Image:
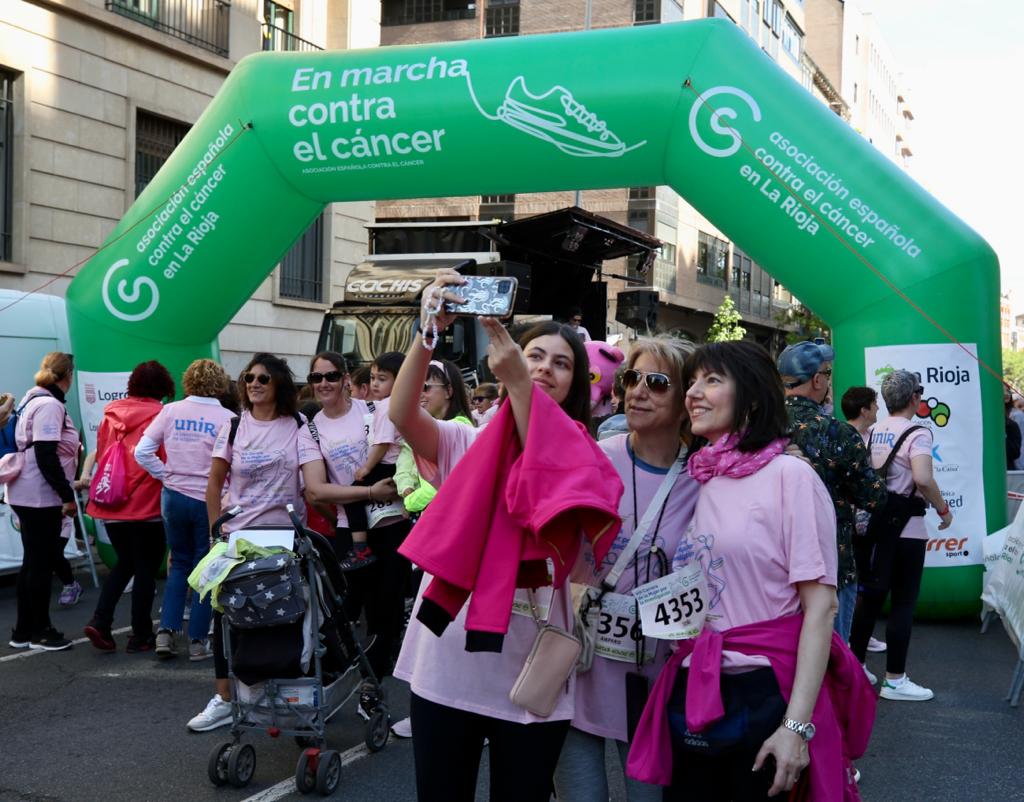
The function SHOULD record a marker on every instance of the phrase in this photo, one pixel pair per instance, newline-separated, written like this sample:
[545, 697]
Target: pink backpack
[109, 487]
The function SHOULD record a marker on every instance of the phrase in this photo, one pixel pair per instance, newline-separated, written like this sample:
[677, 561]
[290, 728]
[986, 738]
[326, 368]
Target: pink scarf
[723, 459]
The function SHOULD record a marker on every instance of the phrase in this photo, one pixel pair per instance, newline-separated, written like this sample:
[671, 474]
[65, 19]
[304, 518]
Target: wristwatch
[805, 731]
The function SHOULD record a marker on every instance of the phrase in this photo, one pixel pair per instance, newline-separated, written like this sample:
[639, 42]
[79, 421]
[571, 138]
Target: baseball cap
[800, 361]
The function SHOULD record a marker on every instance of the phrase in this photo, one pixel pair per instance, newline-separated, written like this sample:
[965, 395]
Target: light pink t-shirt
[384, 431]
[600, 692]
[188, 429]
[756, 537]
[900, 478]
[264, 475]
[343, 447]
[42, 420]
[440, 669]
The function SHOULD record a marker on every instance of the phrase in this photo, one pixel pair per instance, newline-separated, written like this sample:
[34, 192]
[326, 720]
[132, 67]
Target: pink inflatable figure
[604, 361]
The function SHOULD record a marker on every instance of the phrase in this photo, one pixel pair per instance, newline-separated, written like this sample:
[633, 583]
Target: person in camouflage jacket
[838, 454]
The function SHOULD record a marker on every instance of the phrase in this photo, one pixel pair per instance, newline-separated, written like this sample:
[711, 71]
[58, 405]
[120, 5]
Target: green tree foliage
[1013, 368]
[726, 325]
[808, 325]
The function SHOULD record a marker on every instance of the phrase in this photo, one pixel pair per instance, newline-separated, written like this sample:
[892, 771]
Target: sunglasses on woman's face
[656, 382]
[426, 387]
[332, 376]
[262, 378]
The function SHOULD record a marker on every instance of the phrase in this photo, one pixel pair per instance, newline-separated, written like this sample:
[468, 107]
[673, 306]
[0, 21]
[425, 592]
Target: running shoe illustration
[557, 117]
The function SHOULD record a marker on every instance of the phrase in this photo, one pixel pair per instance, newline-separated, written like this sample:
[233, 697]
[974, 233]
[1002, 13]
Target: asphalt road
[81, 726]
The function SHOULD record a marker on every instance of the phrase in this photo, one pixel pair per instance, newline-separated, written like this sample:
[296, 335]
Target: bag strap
[883, 472]
[609, 582]
[233, 430]
[313, 431]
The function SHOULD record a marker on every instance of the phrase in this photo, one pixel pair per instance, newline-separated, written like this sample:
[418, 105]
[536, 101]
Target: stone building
[94, 96]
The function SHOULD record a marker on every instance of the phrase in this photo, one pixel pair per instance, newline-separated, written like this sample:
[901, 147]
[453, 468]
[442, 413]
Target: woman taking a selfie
[459, 697]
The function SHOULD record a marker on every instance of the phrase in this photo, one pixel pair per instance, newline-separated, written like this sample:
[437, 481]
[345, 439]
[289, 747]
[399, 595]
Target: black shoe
[368, 701]
[143, 644]
[50, 641]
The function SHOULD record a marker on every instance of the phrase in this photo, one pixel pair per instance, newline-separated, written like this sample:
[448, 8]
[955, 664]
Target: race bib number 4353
[675, 606]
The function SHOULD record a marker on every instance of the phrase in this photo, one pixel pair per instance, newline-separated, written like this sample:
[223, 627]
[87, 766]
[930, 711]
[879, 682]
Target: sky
[962, 65]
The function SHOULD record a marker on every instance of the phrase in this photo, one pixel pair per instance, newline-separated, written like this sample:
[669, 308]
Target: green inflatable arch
[692, 105]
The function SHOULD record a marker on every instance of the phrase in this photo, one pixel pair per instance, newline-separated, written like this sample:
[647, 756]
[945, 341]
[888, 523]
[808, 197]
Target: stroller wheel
[241, 765]
[328, 773]
[217, 766]
[305, 771]
[378, 729]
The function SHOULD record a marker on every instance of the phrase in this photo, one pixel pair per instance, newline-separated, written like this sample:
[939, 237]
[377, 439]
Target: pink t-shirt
[600, 692]
[900, 478]
[188, 429]
[264, 476]
[756, 537]
[343, 447]
[440, 669]
[384, 431]
[43, 419]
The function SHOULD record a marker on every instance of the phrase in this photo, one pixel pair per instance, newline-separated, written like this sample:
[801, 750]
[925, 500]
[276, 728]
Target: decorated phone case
[491, 296]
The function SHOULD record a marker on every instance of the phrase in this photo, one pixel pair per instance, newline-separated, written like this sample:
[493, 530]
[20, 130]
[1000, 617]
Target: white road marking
[285, 787]
[33, 652]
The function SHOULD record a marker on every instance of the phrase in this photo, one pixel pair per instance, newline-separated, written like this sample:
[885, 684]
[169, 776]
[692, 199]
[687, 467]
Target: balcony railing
[714, 281]
[275, 38]
[203, 23]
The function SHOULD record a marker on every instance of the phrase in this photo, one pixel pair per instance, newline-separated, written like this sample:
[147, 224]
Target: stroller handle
[224, 518]
[295, 519]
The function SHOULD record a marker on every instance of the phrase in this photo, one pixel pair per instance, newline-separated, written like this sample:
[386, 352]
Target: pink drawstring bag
[109, 487]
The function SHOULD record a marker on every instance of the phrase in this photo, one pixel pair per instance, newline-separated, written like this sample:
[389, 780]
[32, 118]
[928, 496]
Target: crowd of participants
[714, 456]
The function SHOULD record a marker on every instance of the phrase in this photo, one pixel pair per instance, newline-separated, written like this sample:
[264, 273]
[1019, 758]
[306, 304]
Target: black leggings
[40, 538]
[378, 589]
[61, 566]
[726, 778]
[896, 569]
[447, 744]
[140, 547]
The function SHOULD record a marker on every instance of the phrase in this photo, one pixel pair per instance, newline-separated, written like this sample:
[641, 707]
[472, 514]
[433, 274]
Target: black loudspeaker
[637, 309]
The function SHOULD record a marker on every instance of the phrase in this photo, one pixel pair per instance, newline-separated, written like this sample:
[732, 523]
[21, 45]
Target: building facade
[698, 265]
[94, 96]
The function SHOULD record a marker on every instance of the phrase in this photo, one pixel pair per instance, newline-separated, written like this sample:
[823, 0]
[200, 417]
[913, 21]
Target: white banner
[951, 408]
[95, 391]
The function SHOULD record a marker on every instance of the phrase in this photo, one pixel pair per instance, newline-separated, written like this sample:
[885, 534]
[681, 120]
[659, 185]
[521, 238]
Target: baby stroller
[293, 656]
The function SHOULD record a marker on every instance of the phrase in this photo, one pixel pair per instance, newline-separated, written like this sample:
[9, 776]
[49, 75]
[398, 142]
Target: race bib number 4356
[675, 606]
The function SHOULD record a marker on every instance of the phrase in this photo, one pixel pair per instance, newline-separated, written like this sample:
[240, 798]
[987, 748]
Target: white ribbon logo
[129, 296]
[717, 115]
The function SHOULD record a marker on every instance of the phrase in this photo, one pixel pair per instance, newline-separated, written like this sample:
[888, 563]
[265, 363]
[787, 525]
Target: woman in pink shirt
[261, 452]
[42, 496]
[656, 415]
[186, 430]
[764, 532]
[460, 698]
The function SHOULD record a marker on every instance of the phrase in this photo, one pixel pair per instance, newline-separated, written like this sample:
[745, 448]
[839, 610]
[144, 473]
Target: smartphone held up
[485, 296]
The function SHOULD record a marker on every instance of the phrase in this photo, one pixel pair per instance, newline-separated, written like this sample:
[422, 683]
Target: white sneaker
[217, 714]
[867, 673]
[903, 690]
[875, 645]
[403, 728]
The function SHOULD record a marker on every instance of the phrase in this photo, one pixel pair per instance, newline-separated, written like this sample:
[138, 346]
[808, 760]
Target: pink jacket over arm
[504, 510]
[843, 715]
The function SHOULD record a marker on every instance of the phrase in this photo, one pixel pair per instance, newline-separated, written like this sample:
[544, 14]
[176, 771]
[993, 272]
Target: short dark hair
[285, 392]
[577, 402]
[487, 390]
[389, 362]
[334, 358]
[760, 407]
[572, 311]
[448, 373]
[361, 375]
[855, 399]
[151, 380]
[229, 399]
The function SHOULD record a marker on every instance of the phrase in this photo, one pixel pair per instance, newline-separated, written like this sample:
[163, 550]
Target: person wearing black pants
[40, 537]
[522, 756]
[379, 590]
[140, 547]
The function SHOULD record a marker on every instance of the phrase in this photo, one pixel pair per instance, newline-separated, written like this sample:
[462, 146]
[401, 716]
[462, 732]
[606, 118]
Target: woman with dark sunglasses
[260, 450]
[330, 459]
[656, 416]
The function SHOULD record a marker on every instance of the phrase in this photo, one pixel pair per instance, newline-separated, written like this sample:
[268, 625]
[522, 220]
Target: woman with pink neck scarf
[763, 532]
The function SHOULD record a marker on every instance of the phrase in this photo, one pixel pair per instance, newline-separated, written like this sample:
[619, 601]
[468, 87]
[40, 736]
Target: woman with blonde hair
[42, 496]
[177, 449]
[650, 461]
